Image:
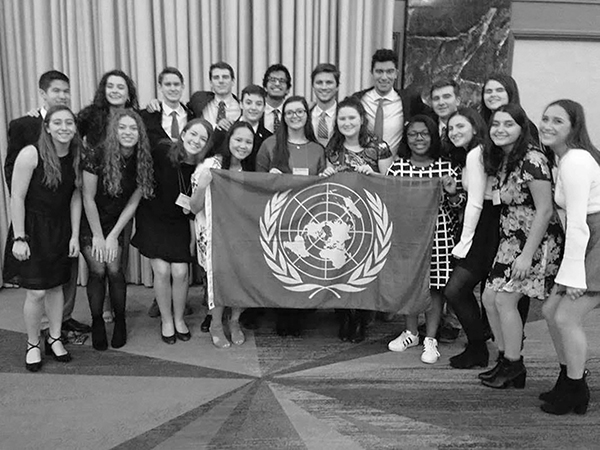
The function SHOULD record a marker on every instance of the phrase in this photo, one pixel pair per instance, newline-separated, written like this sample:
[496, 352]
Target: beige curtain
[85, 38]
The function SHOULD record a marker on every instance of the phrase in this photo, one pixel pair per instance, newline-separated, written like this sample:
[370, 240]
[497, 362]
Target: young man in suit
[218, 106]
[277, 82]
[54, 89]
[445, 99]
[166, 124]
[387, 108]
[325, 79]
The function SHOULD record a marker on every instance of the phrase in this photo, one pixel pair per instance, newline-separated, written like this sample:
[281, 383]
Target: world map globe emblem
[326, 231]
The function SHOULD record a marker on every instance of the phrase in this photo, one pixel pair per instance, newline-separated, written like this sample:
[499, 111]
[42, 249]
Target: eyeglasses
[297, 113]
[276, 80]
[414, 134]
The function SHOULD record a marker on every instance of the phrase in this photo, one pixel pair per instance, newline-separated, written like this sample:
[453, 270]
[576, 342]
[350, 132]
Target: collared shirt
[43, 112]
[232, 110]
[442, 128]
[167, 119]
[393, 116]
[329, 120]
[268, 116]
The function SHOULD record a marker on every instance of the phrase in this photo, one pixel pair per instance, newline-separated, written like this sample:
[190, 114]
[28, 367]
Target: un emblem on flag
[326, 237]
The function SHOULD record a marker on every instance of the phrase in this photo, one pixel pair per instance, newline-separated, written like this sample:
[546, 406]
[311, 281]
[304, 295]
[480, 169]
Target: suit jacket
[153, 123]
[412, 103]
[199, 101]
[22, 132]
[217, 141]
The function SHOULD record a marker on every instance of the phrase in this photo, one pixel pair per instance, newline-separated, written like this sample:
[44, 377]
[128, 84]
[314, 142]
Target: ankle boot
[572, 395]
[119, 337]
[99, 341]
[476, 354]
[343, 317]
[489, 374]
[550, 395]
[511, 373]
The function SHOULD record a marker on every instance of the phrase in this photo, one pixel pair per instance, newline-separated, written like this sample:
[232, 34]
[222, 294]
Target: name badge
[183, 201]
[300, 171]
[496, 197]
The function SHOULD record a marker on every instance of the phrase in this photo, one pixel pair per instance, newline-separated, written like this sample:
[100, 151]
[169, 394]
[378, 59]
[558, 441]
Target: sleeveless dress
[162, 229]
[48, 225]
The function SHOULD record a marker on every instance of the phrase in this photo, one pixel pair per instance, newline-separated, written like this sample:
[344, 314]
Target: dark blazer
[217, 142]
[199, 101]
[22, 132]
[153, 123]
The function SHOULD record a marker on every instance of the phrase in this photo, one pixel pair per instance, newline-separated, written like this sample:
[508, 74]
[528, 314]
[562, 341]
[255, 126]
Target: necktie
[322, 132]
[276, 121]
[378, 129]
[221, 111]
[174, 126]
[443, 133]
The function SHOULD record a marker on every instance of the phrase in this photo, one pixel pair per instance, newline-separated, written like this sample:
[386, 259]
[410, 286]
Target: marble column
[465, 40]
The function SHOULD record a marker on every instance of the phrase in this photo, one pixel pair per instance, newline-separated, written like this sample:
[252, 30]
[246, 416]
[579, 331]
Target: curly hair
[335, 146]
[113, 156]
[177, 153]
[281, 157]
[49, 157]
[493, 156]
[247, 166]
[434, 151]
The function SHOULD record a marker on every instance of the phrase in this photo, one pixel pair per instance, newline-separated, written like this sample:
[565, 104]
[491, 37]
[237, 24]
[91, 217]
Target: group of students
[78, 186]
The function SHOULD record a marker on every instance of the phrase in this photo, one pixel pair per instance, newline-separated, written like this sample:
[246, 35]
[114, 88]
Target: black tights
[459, 294]
[96, 286]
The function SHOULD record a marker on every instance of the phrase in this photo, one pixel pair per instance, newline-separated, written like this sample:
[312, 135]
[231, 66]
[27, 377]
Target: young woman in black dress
[164, 223]
[116, 175]
[45, 213]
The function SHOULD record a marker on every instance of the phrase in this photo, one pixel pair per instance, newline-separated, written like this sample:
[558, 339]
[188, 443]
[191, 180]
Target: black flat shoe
[169, 339]
[33, 367]
[205, 325]
[183, 336]
[74, 325]
[50, 351]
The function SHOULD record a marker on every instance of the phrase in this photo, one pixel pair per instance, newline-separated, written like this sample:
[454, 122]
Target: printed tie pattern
[174, 126]
[322, 132]
[221, 112]
[378, 130]
[276, 121]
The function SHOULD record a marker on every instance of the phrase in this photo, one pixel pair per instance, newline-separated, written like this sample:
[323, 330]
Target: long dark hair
[434, 151]
[247, 165]
[281, 156]
[112, 156]
[579, 136]
[177, 153]
[512, 90]
[49, 157]
[480, 134]
[335, 146]
[494, 155]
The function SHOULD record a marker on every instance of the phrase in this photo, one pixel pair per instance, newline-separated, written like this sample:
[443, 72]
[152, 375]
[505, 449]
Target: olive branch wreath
[288, 274]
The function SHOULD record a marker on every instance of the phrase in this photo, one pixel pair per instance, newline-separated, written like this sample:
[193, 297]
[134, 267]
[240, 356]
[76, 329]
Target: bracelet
[23, 238]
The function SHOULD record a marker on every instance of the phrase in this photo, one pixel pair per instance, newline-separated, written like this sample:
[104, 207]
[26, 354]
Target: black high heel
[33, 367]
[489, 374]
[572, 395]
[510, 373]
[50, 351]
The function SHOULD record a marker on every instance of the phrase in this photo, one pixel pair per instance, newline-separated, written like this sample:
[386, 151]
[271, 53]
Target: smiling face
[61, 127]
[241, 142]
[128, 133]
[277, 85]
[295, 115]
[384, 76]
[221, 81]
[253, 107]
[460, 131]
[58, 93]
[325, 86]
[504, 130]
[349, 122]
[494, 95]
[419, 139]
[117, 92]
[194, 139]
[171, 88]
[444, 101]
[555, 128]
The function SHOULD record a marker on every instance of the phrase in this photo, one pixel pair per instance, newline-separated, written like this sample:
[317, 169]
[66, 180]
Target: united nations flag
[347, 241]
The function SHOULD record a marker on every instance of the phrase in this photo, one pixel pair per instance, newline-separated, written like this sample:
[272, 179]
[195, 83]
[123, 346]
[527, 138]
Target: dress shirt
[393, 116]
[167, 119]
[232, 110]
[329, 120]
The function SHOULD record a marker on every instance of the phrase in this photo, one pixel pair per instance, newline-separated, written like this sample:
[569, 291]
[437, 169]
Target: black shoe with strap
[34, 366]
[65, 358]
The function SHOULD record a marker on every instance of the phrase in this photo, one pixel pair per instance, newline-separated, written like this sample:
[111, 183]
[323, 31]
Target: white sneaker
[430, 353]
[404, 341]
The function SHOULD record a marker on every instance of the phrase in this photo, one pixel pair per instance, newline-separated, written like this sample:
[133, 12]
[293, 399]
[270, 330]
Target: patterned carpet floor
[313, 392]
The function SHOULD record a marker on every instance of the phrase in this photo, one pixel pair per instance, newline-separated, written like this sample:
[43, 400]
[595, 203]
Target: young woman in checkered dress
[423, 160]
